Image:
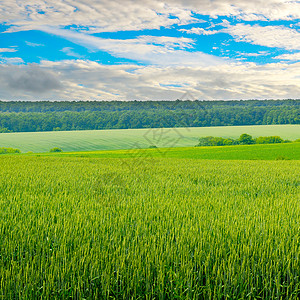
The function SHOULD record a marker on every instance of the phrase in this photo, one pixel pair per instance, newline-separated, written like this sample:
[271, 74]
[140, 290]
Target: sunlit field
[76, 227]
[92, 140]
[237, 152]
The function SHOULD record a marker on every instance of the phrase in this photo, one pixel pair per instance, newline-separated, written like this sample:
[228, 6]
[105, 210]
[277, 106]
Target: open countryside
[91, 140]
[150, 150]
[187, 222]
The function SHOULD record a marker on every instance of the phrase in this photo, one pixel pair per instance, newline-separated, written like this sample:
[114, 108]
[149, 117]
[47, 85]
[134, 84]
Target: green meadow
[91, 140]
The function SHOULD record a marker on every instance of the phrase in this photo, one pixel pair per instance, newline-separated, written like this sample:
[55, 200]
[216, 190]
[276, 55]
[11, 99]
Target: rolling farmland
[238, 152]
[150, 150]
[83, 227]
[167, 223]
[134, 138]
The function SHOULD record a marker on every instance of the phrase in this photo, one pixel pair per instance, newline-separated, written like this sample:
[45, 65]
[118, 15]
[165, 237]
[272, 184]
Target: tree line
[4, 150]
[244, 139]
[50, 116]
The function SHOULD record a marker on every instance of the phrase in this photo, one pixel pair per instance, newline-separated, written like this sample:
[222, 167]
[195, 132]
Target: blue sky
[126, 50]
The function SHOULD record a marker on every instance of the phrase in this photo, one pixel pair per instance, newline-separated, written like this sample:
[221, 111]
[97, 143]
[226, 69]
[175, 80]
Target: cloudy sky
[149, 50]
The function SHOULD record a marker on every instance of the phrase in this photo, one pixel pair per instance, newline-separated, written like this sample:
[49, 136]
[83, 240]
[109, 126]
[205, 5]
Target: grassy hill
[91, 140]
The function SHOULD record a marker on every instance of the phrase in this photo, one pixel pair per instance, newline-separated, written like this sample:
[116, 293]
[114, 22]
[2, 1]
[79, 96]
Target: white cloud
[249, 54]
[98, 16]
[290, 56]
[8, 50]
[69, 51]
[87, 80]
[33, 44]
[175, 68]
[11, 60]
[117, 15]
[199, 31]
[245, 9]
[148, 49]
[269, 36]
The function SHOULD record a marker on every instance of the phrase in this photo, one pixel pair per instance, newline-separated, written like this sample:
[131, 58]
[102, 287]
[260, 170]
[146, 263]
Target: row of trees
[227, 115]
[80, 106]
[244, 139]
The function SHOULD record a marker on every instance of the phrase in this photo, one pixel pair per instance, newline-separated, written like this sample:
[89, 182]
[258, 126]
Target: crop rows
[166, 229]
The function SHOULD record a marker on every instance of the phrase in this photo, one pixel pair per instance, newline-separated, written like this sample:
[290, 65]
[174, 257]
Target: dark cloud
[33, 79]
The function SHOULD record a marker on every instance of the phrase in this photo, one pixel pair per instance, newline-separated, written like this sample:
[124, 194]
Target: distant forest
[21, 116]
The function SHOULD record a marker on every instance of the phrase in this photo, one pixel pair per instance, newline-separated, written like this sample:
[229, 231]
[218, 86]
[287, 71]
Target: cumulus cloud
[88, 80]
[245, 9]
[199, 31]
[289, 56]
[174, 64]
[93, 16]
[269, 36]
[29, 78]
[117, 15]
[11, 60]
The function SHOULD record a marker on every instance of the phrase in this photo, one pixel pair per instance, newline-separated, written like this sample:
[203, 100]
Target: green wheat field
[86, 226]
[237, 152]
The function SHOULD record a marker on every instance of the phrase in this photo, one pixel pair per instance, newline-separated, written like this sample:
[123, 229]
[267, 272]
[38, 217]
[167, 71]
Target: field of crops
[167, 229]
[237, 152]
[91, 140]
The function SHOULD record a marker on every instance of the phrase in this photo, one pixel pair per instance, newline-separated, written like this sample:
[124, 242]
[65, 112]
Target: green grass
[90, 228]
[238, 152]
[135, 138]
